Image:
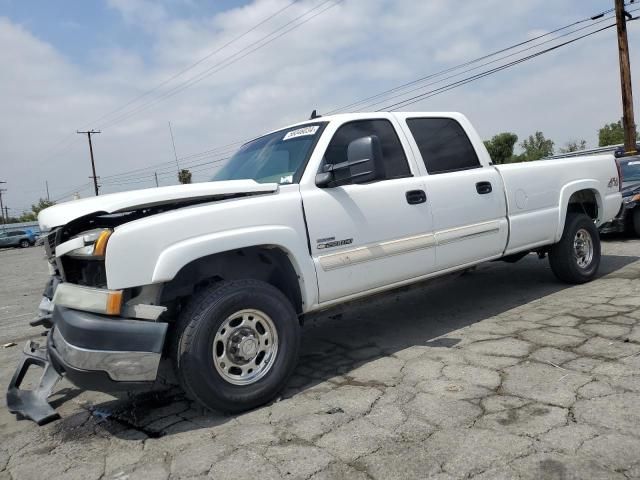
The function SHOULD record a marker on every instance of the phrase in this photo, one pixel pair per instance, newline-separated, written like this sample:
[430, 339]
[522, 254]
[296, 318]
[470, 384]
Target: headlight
[94, 244]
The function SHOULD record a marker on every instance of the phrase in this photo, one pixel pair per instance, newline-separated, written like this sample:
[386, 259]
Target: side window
[393, 157]
[443, 144]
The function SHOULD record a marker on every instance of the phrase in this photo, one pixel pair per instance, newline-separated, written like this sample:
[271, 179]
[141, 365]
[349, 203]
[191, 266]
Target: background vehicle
[629, 217]
[217, 277]
[16, 238]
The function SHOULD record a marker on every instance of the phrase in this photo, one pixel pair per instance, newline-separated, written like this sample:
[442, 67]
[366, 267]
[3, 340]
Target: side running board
[33, 404]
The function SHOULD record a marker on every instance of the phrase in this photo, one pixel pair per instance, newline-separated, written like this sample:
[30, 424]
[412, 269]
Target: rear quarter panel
[538, 194]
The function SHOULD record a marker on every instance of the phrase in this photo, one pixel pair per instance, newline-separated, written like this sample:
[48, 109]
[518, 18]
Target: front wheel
[237, 345]
[24, 243]
[576, 257]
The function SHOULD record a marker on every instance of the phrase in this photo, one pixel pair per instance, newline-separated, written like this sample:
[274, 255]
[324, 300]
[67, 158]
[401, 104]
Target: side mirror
[364, 164]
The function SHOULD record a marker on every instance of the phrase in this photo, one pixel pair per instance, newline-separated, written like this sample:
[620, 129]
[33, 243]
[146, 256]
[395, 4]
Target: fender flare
[565, 194]
[176, 256]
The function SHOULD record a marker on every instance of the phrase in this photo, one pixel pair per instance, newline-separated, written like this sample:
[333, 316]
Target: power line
[230, 60]
[225, 63]
[470, 62]
[437, 91]
[406, 92]
[69, 140]
[129, 174]
[195, 64]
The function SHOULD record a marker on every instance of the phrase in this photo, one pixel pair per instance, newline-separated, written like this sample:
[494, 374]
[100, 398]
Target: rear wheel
[24, 243]
[576, 257]
[236, 345]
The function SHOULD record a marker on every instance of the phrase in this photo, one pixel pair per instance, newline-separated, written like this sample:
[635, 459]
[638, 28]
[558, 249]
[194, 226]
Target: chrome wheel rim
[583, 248]
[245, 347]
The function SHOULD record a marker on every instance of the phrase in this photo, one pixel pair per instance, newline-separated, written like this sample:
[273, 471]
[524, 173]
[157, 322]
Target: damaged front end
[99, 339]
[33, 404]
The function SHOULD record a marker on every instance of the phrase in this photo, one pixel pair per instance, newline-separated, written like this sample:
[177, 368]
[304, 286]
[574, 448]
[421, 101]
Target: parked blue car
[17, 238]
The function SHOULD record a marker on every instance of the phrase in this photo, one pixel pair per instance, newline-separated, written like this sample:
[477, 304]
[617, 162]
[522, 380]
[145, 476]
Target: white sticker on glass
[634, 163]
[301, 132]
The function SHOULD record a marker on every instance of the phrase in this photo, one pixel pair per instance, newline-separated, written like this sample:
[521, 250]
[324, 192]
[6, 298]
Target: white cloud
[352, 51]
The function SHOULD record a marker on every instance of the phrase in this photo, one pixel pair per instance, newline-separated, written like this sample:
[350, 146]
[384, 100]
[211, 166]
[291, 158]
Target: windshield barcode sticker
[634, 163]
[301, 132]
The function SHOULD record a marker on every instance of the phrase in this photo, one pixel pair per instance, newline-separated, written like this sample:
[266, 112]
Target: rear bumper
[102, 353]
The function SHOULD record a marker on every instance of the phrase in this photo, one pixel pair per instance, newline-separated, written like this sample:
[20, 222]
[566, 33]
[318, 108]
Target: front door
[366, 236]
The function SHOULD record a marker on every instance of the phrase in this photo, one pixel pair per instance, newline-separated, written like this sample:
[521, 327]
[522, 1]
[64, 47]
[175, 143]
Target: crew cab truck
[217, 277]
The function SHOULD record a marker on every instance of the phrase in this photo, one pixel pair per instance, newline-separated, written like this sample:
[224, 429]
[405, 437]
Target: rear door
[466, 198]
[365, 236]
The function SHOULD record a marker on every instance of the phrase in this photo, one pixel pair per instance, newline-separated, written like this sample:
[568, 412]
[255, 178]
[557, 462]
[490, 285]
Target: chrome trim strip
[399, 246]
[121, 366]
[376, 251]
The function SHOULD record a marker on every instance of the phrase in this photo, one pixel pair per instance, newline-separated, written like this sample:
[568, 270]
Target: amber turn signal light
[114, 302]
[100, 246]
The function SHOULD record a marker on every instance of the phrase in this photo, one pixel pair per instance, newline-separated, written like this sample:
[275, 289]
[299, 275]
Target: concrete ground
[500, 373]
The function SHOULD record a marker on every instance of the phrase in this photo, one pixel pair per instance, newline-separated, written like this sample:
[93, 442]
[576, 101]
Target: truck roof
[365, 115]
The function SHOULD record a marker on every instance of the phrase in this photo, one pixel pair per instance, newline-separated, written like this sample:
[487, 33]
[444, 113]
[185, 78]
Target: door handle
[416, 196]
[483, 188]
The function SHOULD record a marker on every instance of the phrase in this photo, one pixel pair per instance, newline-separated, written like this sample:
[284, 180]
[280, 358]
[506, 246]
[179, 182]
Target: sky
[115, 65]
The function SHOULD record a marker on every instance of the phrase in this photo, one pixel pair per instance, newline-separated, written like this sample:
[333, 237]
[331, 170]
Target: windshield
[278, 157]
[630, 171]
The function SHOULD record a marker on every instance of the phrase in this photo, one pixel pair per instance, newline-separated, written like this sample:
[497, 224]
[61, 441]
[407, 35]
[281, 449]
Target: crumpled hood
[125, 201]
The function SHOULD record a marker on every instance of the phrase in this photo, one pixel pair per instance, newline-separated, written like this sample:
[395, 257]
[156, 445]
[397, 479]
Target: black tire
[636, 221]
[563, 258]
[194, 344]
[24, 244]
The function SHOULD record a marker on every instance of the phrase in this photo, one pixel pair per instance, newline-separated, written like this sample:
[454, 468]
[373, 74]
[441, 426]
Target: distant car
[629, 217]
[17, 238]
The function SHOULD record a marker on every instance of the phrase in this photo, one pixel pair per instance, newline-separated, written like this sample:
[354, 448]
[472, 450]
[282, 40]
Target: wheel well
[267, 263]
[584, 201]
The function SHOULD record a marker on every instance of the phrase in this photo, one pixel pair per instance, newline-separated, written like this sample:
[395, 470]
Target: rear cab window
[443, 144]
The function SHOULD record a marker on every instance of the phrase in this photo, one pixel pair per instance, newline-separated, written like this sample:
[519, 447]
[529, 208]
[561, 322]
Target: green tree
[28, 217]
[535, 147]
[574, 146]
[612, 134]
[184, 176]
[41, 205]
[500, 147]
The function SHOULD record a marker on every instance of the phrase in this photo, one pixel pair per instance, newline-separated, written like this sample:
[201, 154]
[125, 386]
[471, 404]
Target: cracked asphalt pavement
[498, 373]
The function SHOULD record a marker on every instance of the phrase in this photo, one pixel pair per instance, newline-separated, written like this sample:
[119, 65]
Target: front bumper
[94, 352]
[103, 353]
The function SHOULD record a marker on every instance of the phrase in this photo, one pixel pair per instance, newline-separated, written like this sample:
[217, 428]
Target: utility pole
[174, 147]
[625, 79]
[46, 182]
[1, 207]
[93, 164]
[155, 174]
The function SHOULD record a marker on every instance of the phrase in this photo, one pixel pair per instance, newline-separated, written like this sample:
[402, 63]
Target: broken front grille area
[88, 273]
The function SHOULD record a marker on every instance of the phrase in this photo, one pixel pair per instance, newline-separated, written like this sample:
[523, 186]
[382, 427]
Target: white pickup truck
[217, 277]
